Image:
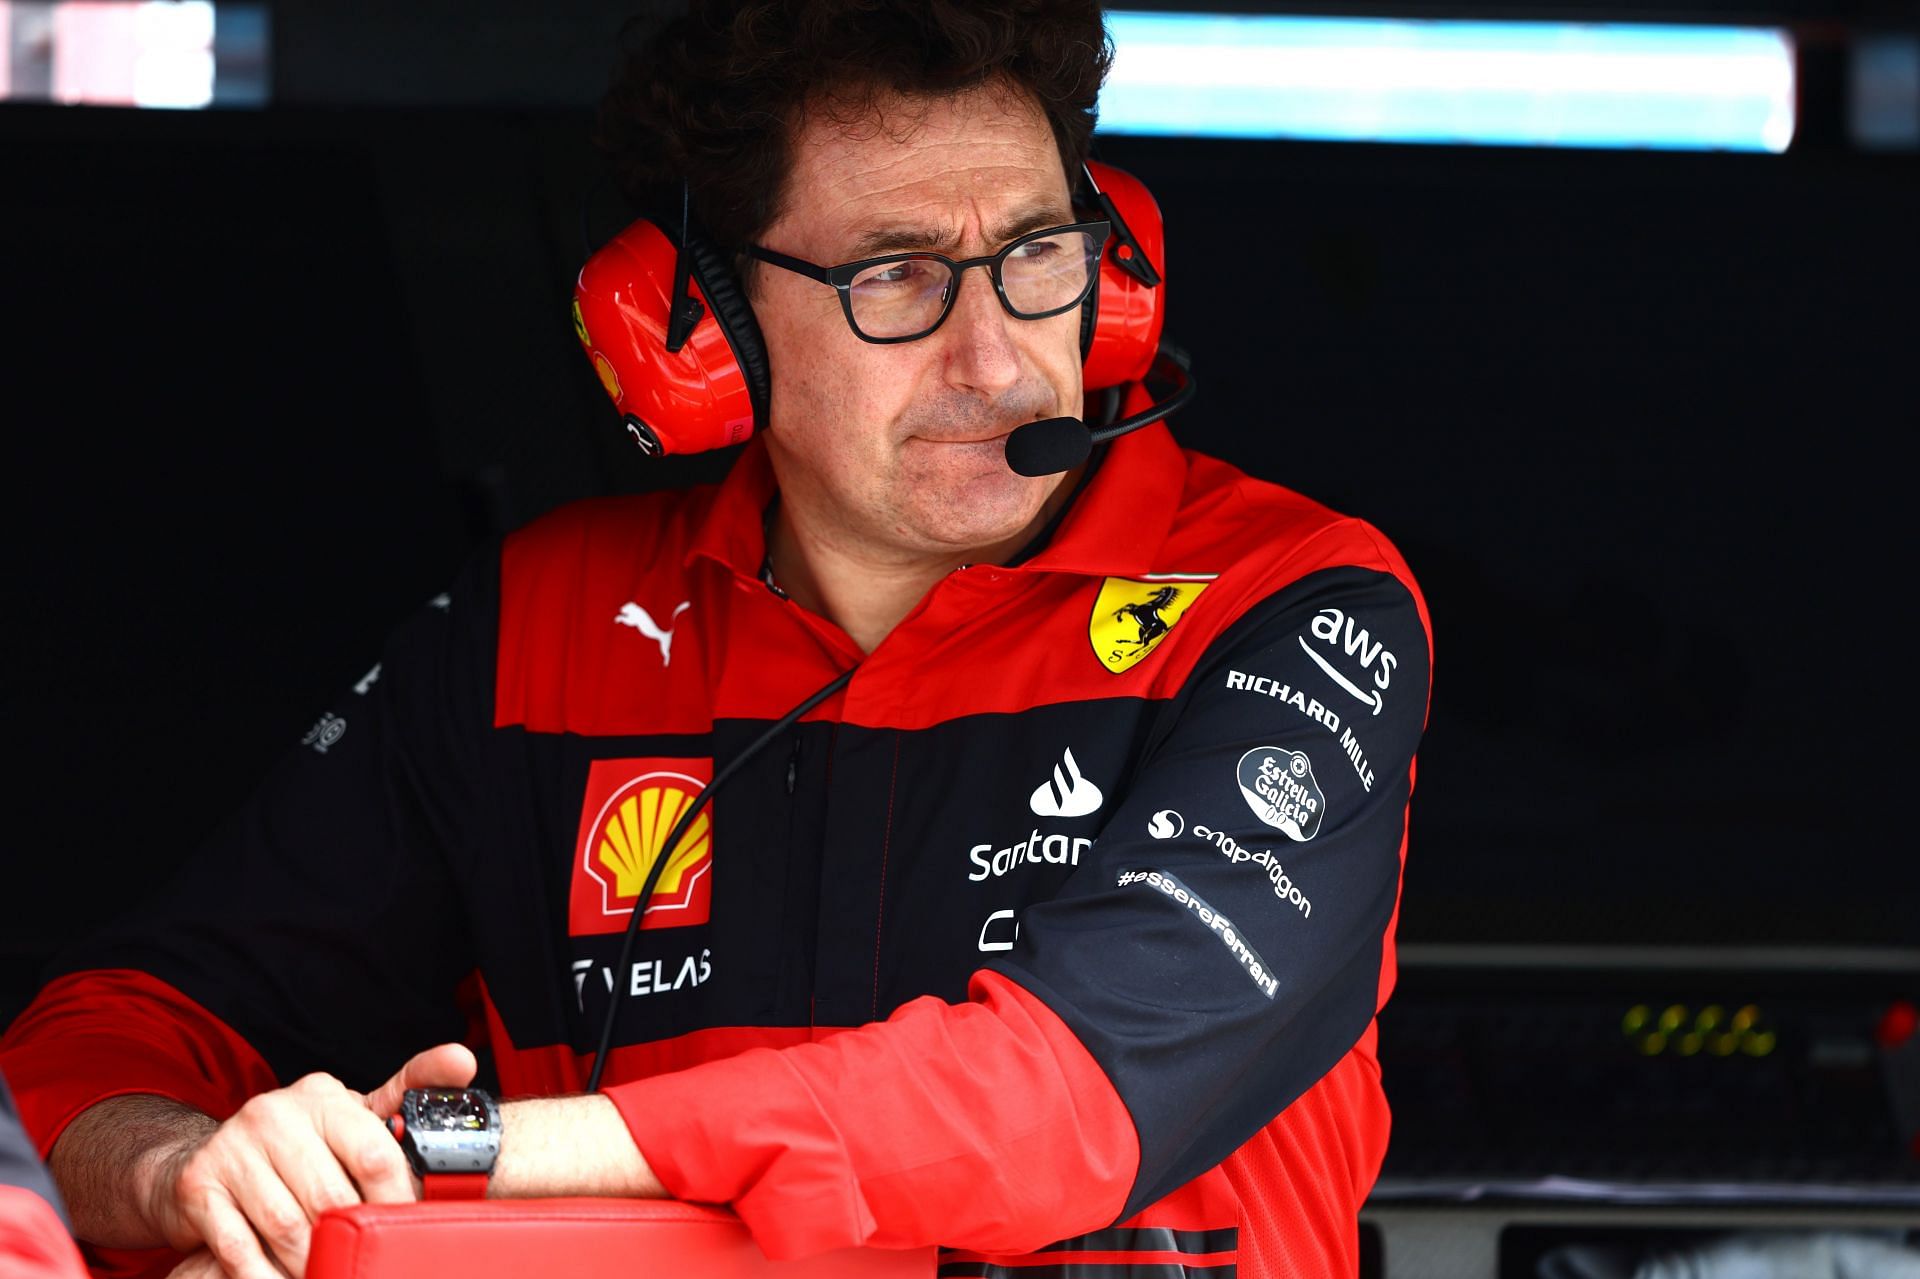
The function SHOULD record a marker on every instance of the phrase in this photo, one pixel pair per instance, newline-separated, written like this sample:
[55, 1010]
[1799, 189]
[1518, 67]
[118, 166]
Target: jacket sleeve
[316, 930]
[34, 1243]
[1219, 951]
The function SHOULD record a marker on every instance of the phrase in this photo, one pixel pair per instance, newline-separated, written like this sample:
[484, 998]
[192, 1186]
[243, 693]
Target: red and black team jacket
[1056, 939]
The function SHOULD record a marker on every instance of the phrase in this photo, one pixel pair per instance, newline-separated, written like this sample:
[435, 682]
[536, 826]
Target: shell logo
[636, 835]
[629, 810]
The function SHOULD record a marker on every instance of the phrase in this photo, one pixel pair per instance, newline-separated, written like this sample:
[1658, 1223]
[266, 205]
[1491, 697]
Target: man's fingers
[305, 1160]
[442, 1066]
[367, 1151]
[232, 1241]
[278, 1218]
[312, 1172]
[200, 1264]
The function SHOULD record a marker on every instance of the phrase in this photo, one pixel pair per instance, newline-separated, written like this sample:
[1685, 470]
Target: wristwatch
[451, 1137]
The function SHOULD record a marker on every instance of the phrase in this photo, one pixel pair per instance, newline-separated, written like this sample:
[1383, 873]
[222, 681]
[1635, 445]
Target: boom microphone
[1049, 446]
[1055, 444]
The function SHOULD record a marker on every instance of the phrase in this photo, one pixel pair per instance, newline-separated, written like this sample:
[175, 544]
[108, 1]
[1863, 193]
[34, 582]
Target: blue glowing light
[1444, 81]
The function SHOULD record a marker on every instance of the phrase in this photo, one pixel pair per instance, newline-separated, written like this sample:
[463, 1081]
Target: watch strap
[454, 1185]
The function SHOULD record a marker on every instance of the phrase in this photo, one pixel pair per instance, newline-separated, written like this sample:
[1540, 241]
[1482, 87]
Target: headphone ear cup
[712, 391]
[1127, 318]
[1090, 312]
[737, 322]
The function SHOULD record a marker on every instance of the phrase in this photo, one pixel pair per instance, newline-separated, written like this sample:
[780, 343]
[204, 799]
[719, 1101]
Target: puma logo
[640, 620]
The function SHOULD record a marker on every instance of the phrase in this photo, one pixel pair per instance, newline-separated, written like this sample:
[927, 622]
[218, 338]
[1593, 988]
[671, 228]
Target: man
[1063, 924]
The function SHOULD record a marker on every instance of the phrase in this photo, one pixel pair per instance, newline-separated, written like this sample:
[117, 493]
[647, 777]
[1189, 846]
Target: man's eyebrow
[905, 239]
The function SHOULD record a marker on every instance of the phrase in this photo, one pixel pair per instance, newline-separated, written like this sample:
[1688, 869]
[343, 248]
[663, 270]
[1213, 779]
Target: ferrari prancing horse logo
[1130, 618]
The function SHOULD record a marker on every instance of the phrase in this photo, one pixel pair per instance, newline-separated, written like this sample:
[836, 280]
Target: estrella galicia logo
[1166, 824]
[1278, 786]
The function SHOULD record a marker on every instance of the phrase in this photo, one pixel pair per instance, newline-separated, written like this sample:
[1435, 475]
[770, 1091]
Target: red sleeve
[109, 1032]
[985, 1125]
[33, 1243]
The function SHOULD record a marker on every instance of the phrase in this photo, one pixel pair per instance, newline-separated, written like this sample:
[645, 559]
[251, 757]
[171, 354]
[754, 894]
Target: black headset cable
[666, 854]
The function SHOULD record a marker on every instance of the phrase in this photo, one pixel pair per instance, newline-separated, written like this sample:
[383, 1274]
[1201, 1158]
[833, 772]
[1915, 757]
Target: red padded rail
[574, 1238]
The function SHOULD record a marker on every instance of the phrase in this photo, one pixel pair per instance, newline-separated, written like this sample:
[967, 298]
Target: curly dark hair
[715, 96]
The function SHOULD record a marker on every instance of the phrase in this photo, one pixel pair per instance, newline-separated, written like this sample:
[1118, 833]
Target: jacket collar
[1115, 526]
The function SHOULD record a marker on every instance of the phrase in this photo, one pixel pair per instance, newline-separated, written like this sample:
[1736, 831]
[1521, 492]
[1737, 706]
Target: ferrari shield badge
[1130, 618]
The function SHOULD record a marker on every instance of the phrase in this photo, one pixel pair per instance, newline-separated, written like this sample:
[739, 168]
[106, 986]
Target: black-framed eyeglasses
[903, 296]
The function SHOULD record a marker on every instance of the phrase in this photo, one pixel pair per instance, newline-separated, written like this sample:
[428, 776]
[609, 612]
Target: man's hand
[199, 1265]
[251, 1189]
[254, 1187]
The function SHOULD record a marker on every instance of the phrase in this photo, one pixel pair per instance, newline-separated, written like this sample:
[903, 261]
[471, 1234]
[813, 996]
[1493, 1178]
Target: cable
[666, 854]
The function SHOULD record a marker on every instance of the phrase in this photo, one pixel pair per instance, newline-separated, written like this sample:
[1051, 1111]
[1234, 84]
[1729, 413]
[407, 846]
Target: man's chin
[978, 507]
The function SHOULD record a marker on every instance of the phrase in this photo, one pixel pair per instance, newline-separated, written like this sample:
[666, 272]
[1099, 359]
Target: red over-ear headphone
[674, 341]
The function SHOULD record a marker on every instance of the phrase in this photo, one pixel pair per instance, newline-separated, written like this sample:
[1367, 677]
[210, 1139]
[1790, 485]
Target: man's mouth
[998, 436]
[968, 439]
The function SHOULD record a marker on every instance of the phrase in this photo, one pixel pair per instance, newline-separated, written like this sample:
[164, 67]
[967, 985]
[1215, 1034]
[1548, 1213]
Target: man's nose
[982, 355]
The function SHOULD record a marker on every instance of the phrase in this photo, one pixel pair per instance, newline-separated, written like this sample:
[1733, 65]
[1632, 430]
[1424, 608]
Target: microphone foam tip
[1049, 446]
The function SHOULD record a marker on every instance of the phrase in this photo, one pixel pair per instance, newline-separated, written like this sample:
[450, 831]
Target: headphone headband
[674, 341]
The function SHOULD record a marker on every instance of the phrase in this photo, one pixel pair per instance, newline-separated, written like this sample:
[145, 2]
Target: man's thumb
[442, 1066]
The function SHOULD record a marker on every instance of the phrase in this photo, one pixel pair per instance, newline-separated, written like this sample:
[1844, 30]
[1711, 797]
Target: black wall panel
[268, 377]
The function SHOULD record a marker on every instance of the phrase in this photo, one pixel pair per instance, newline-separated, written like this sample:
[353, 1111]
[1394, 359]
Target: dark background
[1637, 420]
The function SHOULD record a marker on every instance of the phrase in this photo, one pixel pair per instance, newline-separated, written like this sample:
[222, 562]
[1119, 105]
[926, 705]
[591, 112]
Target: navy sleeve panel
[321, 922]
[19, 1162]
[1221, 950]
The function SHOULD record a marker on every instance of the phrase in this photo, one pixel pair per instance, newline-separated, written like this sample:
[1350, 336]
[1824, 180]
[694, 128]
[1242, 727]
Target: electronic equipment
[1645, 1085]
[673, 339]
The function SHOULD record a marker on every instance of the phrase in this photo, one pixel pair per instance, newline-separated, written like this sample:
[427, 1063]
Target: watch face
[450, 1130]
[449, 1110]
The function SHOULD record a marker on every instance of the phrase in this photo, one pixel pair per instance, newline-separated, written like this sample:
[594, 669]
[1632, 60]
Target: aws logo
[1131, 617]
[630, 808]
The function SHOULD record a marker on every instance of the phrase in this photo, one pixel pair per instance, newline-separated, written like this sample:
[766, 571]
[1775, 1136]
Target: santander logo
[1067, 793]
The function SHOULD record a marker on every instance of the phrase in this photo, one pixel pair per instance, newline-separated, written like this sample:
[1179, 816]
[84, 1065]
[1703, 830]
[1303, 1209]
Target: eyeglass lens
[908, 296]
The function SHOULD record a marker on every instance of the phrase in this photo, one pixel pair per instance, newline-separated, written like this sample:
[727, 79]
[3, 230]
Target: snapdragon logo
[1166, 824]
[1169, 885]
[1283, 886]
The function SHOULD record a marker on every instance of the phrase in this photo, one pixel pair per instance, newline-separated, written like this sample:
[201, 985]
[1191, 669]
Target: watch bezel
[432, 1151]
